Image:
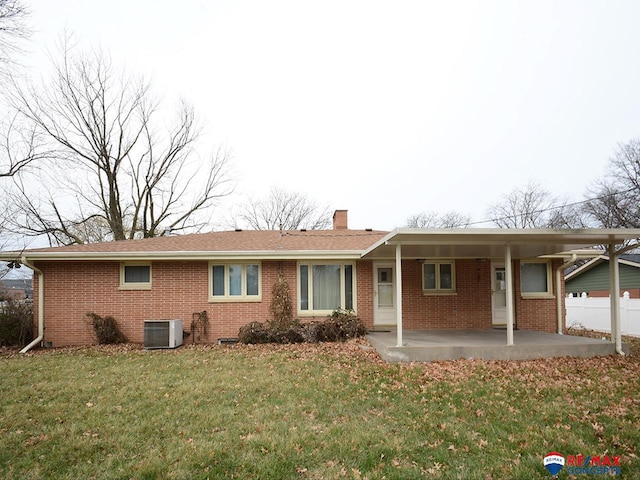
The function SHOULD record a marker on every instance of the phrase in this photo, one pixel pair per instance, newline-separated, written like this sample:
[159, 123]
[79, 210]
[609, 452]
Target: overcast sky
[384, 108]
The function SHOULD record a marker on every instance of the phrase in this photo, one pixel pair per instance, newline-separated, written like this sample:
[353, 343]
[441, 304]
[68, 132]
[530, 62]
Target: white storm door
[499, 294]
[384, 294]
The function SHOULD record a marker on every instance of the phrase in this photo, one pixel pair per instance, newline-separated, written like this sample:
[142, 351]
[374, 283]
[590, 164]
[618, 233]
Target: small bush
[256, 332]
[16, 323]
[343, 325]
[292, 334]
[340, 326]
[106, 329]
[312, 332]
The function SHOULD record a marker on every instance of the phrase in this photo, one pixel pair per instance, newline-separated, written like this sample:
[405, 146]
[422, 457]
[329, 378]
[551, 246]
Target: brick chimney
[340, 220]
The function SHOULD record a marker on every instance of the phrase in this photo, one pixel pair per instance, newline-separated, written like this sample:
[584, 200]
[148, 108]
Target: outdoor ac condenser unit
[162, 333]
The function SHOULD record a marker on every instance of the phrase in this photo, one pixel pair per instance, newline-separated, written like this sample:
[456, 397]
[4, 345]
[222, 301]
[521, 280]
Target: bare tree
[615, 200]
[283, 210]
[531, 206]
[4, 269]
[17, 142]
[566, 215]
[20, 145]
[432, 219]
[111, 173]
[18, 149]
[13, 31]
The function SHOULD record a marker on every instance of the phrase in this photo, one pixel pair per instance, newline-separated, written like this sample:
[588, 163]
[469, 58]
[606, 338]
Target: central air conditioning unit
[162, 333]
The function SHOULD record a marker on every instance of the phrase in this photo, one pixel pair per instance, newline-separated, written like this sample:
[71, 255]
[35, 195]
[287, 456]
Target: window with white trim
[438, 277]
[135, 276]
[535, 278]
[234, 282]
[324, 287]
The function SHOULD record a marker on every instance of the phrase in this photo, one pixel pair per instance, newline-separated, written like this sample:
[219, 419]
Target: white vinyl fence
[594, 313]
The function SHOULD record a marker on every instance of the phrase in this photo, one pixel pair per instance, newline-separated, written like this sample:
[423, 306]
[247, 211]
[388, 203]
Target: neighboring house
[592, 278]
[450, 279]
[16, 288]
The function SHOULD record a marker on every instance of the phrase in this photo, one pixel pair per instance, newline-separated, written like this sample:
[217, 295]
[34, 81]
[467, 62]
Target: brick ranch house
[451, 279]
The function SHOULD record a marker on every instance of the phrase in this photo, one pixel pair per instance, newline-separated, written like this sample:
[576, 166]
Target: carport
[507, 245]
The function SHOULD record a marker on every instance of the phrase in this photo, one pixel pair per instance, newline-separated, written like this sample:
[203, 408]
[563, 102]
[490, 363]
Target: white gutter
[197, 255]
[559, 297]
[40, 336]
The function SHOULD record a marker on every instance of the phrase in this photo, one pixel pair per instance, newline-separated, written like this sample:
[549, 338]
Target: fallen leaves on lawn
[580, 397]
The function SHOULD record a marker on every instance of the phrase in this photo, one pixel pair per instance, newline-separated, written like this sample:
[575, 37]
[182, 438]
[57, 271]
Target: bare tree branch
[283, 210]
[129, 175]
[21, 146]
[436, 220]
[13, 31]
[615, 201]
[531, 206]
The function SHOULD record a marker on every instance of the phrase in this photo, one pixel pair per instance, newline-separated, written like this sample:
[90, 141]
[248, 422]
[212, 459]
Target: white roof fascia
[629, 263]
[230, 255]
[587, 266]
[384, 240]
[501, 236]
[582, 254]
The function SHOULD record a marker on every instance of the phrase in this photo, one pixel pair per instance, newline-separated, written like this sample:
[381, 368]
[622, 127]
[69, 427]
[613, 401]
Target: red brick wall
[71, 289]
[537, 313]
[470, 307]
[364, 276]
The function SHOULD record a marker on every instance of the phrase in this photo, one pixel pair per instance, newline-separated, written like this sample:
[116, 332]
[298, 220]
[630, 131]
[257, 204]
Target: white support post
[508, 268]
[614, 297]
[398, 280]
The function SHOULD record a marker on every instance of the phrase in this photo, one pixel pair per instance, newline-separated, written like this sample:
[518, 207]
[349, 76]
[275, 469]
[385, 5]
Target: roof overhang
[491, 243]
[183, 255]
[416, 243]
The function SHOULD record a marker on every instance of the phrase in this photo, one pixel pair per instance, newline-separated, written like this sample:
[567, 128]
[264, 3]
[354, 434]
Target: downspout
[40, 336]
[559, 297]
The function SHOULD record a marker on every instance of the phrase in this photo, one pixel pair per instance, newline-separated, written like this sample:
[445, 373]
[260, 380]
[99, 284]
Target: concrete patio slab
[440, 345]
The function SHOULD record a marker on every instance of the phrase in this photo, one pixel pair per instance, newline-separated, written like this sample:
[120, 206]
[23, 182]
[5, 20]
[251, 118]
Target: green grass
[310, 412]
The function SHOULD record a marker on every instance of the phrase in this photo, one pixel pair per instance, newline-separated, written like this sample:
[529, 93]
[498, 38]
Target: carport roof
[490, 243]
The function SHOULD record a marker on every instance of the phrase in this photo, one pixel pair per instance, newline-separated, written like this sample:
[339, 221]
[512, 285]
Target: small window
[535, 279]
[135, 276]
[438, 277]
[239, 282]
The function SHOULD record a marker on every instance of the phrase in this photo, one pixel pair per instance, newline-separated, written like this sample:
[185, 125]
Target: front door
[499, 294]
[384, 294]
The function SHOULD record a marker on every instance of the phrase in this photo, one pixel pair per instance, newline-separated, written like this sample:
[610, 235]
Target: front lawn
[309, 412]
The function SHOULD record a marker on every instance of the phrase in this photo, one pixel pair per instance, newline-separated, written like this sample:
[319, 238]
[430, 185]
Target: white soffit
[490, 243]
